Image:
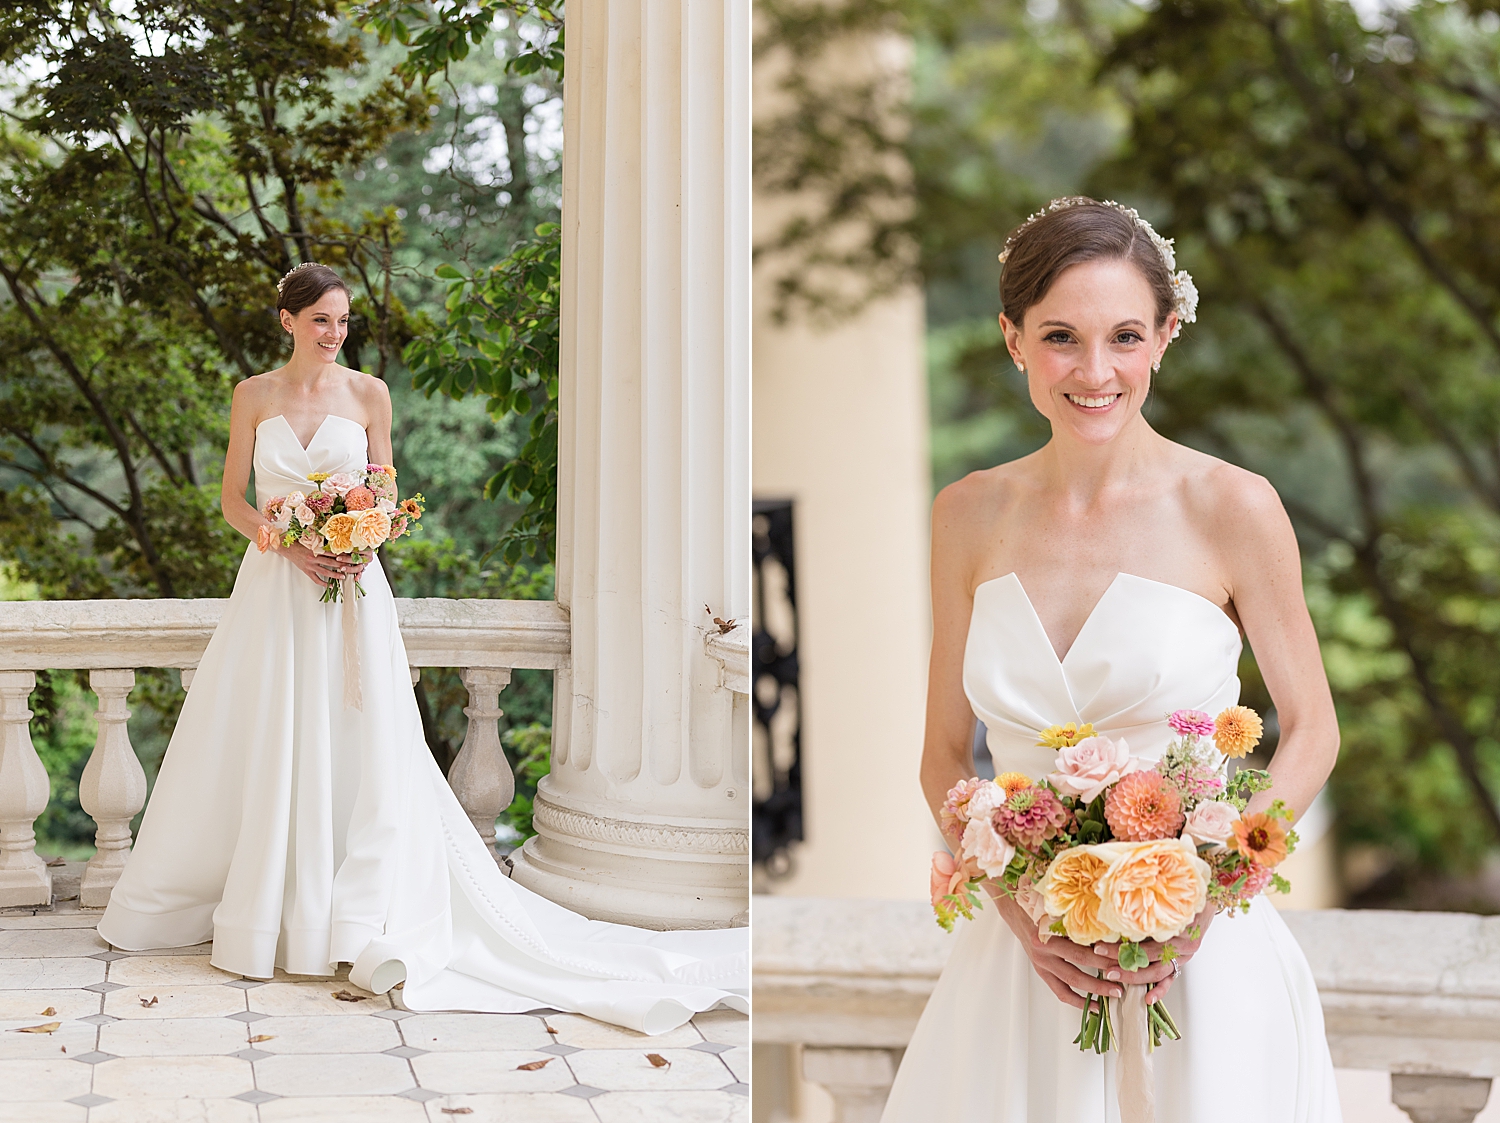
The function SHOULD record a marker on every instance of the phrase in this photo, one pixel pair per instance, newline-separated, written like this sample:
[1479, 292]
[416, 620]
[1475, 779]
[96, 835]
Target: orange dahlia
[1260, 838]
[1142, 807]
[1237, 730]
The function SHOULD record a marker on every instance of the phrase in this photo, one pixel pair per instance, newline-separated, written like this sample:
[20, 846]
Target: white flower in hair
[1185, 293]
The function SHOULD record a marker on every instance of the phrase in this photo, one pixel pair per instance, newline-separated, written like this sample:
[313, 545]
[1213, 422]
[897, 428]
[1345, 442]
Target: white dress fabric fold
[994, 1044]
[296, 833]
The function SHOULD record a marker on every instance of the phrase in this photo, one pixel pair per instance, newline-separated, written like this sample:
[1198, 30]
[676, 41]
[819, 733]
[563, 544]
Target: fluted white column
[112, 788]
[24, 788]
[644, 818]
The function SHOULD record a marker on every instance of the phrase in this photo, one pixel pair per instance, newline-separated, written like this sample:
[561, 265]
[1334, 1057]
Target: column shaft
[644, 818]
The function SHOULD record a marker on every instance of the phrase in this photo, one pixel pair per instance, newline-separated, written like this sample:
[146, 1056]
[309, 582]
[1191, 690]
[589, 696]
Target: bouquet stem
[1097, 1031]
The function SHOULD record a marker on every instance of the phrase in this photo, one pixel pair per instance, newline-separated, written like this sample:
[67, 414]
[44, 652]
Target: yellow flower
[1237, 730]
[1065, 736]
[1154, 889]
[318, 477]
[1070, 889]
[339, 530]
[1012, 782]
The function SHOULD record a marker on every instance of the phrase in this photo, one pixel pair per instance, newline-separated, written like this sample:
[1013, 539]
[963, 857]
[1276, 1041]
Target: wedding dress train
[994, 1045]
[296, 833]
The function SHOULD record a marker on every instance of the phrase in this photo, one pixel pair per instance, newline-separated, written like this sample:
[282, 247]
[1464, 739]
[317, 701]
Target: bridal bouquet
[352, 513]
[1116, 849]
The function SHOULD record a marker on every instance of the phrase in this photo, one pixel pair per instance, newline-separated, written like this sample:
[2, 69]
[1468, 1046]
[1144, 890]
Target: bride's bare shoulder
[970, 509]
[1227, 499]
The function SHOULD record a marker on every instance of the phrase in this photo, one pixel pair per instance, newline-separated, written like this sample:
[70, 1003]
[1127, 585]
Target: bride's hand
[1064, 966]
[1161, 975]
[321, 568]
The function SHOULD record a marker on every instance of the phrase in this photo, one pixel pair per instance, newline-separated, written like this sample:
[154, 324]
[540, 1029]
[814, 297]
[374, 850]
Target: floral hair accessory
[1184, 292]
[281, 284]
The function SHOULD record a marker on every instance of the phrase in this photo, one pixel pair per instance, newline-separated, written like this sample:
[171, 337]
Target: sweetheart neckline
[1094, 611]
[304, 447]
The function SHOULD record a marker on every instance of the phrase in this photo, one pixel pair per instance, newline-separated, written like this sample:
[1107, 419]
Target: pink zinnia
[1030, 817]
[1143, 807]
[321, 504]
[1194, 722]
[956, 807]
[359, 499]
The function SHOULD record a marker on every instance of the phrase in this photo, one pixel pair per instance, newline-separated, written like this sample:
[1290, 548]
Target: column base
[646, 871]
[29, 886]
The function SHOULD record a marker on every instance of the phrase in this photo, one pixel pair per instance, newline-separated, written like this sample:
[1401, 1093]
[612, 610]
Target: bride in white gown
[1107, 578]
[300, 834]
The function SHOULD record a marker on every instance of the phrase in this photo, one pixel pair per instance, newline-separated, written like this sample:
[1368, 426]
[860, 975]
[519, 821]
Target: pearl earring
[1021, 367]
[1155, 365]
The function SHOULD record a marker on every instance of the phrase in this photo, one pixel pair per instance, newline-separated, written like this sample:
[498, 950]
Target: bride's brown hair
[1039, 250]
[305, 285]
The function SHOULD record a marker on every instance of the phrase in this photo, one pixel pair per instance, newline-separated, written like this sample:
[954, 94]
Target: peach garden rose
[1153, 889]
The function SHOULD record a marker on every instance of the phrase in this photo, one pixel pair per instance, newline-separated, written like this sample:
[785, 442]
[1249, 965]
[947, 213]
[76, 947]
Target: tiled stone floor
[166, 1038]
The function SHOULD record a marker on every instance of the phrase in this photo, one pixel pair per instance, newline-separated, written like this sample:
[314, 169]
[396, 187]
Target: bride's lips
[1093, 403]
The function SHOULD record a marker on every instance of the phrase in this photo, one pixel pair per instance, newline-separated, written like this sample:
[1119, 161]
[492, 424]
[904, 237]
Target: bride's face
[1087, 348]
[319, 330]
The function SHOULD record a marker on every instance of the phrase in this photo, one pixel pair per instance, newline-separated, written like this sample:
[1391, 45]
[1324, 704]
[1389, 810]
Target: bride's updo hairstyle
[1074, 230]
[305, 285]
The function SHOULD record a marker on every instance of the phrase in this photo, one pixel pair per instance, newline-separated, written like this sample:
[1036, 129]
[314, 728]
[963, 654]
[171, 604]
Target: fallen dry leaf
[532, 1066]
[550, 1030]
[457, 1110]
[45, 1027]
[345, 996]
[149, 1004]
[64, 1048]
[259, 1037]
[658, 1061]
[48, 1012]
[58, 861]
[402, 986]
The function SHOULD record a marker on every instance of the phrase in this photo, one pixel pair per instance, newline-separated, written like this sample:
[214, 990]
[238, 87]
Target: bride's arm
[947, 748]
[1266, 588]
[237, 462]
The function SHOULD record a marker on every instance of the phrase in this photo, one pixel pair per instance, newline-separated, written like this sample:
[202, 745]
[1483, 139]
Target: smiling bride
[300, 824]
[1109, 579]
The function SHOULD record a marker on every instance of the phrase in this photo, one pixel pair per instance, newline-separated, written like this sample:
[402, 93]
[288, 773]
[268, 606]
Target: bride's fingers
[1061, 976]
[1159, 991]
[1146, 975]
[1064, 993]
[1082, 980]
[1078, 955]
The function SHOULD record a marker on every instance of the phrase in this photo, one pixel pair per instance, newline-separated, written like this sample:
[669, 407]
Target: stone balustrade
[1414, 994]
[112, 639]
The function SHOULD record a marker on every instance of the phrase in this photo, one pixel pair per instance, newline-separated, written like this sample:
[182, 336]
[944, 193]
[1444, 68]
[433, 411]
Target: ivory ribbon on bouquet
[1135, 1086]
[353, 699]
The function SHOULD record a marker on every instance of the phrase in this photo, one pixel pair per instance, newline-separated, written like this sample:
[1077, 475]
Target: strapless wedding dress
[296, 833]
[994, 1045]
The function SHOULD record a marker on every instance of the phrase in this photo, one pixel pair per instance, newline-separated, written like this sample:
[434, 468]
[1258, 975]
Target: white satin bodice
[282, 465]
[1146, 649]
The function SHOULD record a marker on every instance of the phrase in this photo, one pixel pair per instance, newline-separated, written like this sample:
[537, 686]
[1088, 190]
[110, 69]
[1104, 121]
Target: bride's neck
[1083, 471]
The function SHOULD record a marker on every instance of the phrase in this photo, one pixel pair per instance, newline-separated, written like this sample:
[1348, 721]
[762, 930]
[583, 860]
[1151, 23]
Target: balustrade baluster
[24, 788]
[480, 775]
[112, 788]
